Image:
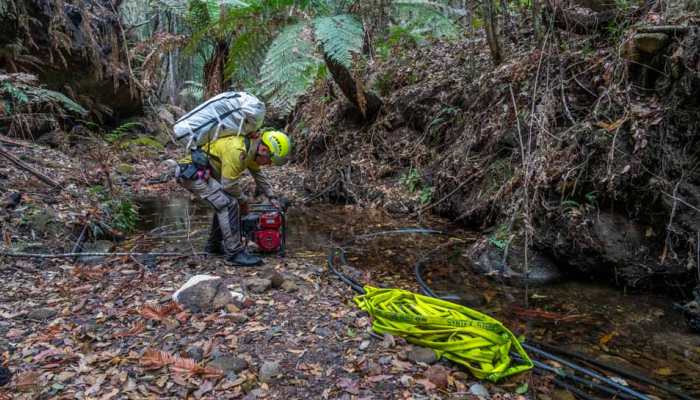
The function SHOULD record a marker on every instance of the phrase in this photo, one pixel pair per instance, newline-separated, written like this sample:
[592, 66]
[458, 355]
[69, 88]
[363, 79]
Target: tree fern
[289, 68]
[193, 90]
[340, 36]
[49, 96]
[427, 18]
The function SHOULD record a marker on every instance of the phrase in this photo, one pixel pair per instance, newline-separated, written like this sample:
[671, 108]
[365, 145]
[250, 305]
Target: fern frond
[424, 18]
[193, 89]
[247, 53]
[45, 95]
[289, 68]
[340, 36]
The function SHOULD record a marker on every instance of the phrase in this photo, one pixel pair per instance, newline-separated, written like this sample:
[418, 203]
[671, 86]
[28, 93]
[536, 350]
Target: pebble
[230, 364]
[478, 389]
[269, 370]
[42, 314]
[364, 345]
[421, 355]
[196, 353]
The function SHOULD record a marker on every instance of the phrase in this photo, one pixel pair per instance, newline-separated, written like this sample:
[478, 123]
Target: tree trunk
[367, 102]
[214, 71]
[491, 26]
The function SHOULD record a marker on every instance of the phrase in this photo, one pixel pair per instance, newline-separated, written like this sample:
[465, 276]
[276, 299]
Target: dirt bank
[585, 152]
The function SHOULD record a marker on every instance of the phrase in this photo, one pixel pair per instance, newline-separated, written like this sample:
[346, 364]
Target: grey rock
[229, 364]
[196, 353]
[269, 370]
[324, 332]
[289, 286]
[45, 221]
[42, 314]
[364, 345]
[421, 355]
[478, 389]
[257, 285]
[203, 293]
[276, 279]
[98, 246]
[386, 360]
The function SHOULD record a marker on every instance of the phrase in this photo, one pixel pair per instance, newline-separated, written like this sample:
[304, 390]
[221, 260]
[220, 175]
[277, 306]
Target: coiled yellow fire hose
[458, 333]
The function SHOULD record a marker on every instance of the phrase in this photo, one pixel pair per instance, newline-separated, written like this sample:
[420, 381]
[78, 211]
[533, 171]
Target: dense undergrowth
[584, 147]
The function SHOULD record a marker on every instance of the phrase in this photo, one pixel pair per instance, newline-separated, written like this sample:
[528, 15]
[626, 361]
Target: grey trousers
[225, 207]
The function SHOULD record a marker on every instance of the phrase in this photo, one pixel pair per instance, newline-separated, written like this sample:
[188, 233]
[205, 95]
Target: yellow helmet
[279, 145]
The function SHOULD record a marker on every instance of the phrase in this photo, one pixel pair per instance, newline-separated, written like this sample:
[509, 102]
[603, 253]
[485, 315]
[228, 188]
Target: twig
[19, 163]
[681, 201]
[78, 247]
[428, 207]
[118, 254]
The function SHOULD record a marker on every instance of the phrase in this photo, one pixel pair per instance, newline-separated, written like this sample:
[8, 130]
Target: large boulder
[203, 293]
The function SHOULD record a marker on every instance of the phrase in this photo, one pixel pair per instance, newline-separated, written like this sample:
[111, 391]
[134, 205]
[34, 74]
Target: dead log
[21, 164]
[367, 102]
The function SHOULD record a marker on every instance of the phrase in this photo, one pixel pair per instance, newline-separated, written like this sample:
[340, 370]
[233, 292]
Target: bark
[365, 101]
[491, 26]
[214, 71]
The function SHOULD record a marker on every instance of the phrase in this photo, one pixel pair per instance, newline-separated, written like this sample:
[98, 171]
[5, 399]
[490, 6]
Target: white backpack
[227, 114]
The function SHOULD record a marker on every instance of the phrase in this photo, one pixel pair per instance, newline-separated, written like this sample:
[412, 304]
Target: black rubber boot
[243, 259]
[214, 245]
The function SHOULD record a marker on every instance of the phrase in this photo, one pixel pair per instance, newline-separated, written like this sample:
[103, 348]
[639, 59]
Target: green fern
[425, 18]
[340, 36]
[289, 68]
[194, 90]
[45, 95]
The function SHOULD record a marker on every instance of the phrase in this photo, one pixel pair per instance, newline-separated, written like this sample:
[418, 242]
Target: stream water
[638, 331]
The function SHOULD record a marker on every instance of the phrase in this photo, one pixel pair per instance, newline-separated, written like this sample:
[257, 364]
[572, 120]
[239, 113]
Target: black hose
[357, 286]
[585, 382]
[617, 370]
[585, 371]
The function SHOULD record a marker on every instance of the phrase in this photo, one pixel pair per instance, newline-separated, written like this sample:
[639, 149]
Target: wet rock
[257, 285]
[438, 375]
[276, 279]
[196, 353]
[98, 246]
[289, 286]
[650, 43]
[421, 355]
[229, 364]
[268, 371]
[489, 260]
[42, 314]
[479, 390]
[203, 293]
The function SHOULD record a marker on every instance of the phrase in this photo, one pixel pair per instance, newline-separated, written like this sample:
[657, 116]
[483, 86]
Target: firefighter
[218, 171]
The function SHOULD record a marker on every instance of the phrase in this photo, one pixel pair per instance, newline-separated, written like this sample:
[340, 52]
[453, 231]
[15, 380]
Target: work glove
[274, 201]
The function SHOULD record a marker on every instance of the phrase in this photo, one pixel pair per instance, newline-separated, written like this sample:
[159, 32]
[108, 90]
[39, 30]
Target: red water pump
[266, 226]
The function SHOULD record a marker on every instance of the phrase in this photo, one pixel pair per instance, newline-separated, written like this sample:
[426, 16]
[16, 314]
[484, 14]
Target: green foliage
[122, 214]
[411, 180]
[193, 90]
[118, 213]
[289, 68]
[146, 141]
[117, 133]
[340, 36]
[426, 195]
[500, 237]
[23, 95]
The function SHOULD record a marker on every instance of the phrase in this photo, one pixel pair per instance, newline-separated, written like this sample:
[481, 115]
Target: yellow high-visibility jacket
[229, 157]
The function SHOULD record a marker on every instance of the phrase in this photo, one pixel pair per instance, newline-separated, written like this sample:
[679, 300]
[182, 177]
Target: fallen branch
[669, 29]
[21, 164]
[68, 255]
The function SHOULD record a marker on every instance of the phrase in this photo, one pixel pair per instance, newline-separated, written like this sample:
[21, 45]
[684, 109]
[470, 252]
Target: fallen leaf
[426, 384]
[664, 371]
[204, 388]
[349, 385]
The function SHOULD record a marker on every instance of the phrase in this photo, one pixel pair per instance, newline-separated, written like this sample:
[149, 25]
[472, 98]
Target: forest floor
[108, 328]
